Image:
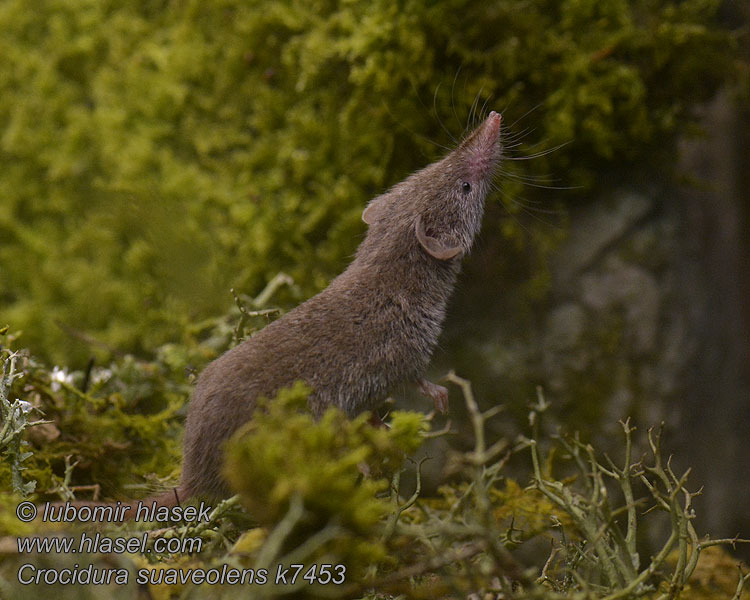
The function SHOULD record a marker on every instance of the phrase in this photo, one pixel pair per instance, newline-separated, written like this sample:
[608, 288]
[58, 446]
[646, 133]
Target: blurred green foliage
[155, 154]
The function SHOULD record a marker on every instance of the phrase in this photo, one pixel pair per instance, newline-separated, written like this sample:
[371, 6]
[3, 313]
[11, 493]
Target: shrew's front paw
[437, 393]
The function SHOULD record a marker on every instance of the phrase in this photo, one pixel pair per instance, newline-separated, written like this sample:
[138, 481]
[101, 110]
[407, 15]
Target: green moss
[284, 456]
[155, 155]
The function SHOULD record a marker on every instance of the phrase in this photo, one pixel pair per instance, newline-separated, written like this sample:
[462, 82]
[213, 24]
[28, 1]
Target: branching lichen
[13, 424]
[605, 558]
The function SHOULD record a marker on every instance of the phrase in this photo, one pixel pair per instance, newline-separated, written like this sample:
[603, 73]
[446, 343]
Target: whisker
[528, 112]
[483, 112]
[413, 133]
[453, 89]
[517, 135]
[437, 116]
[510, 200]
[546, 177]
[533, 213]
[531, 206]
[538, 154]
[472, 123]
[540, 185]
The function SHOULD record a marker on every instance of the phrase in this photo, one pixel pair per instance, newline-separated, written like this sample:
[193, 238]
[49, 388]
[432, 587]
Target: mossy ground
[329, 492]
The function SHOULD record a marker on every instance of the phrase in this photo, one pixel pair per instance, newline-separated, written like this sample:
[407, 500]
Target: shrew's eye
[466, 187]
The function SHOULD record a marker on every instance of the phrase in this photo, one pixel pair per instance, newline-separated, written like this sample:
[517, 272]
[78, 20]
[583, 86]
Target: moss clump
[284, 457]
[104, 431]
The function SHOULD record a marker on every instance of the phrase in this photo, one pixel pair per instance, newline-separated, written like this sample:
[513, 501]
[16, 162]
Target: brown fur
[376, 324]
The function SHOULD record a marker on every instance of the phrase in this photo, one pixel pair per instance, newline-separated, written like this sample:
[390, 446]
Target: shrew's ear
[432, 245]
[374, 210]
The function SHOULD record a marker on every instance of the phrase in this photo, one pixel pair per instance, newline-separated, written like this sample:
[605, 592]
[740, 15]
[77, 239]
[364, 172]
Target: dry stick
[698, 547]
[92, 487]
[594, 483]
[9, 374]
[741, 584]
[246, 315]
[477, 421]
[719, 542]
[690, 531]
[64, 488]
[275, 540]
[680, 512]
[259, 301]
[646, 573]
[483, 477]
[599, 495]
[623, 478]
[438, 432]
[270, 289]
[680, 575]
[679, 516]
[201, 528]
[627, 543]
[574, 450]
[391, 525]
[543, 577]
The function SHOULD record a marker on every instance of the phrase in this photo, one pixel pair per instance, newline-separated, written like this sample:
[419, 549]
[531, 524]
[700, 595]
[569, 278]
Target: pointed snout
[491, 126]
[487, 135]
[482, 148]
